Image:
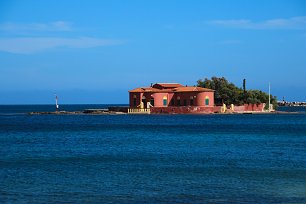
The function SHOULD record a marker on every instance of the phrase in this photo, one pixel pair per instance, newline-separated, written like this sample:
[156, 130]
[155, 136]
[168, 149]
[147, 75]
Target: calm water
[151, 158]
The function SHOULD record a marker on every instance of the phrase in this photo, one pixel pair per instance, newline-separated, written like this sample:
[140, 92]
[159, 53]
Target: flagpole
[269, 96]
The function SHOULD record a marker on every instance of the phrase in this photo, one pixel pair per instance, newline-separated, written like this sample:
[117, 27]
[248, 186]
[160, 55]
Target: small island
[208, 96]
[215, 95]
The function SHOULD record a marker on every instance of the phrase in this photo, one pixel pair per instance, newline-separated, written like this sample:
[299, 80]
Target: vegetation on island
[228, 93]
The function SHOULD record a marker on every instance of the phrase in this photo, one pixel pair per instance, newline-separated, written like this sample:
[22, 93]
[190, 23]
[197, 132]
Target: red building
[171, 98]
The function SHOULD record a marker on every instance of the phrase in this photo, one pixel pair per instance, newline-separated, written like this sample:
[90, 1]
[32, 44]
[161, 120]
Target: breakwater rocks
[56, 113]
[86, 111]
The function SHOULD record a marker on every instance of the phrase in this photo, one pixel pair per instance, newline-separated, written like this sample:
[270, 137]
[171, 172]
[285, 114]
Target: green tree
[228, 93]
[225, 92]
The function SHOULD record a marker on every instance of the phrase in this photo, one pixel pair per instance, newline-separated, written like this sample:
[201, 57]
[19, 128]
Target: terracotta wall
[158, 99]
[217, 109]
[203, 109]
[238, 108]
[259, 107]
[182, 110]
[183, 97]
[250, 107]
[172, 99]
[201, 97]
[198, 99]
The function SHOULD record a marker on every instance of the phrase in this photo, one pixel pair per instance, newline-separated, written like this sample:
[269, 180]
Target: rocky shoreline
[84, 112]
[112, 112]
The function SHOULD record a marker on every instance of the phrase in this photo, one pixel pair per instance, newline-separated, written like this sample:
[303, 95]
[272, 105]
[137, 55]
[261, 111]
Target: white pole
[269, 96]
[56, 102]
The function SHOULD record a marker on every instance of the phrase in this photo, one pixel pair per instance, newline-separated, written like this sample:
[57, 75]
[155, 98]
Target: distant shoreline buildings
[294, 103]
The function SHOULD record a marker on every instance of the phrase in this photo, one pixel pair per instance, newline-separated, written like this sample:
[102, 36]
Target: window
[185, 102]
[152, 101]
[178, 102]
[207, 101]
[165, 101]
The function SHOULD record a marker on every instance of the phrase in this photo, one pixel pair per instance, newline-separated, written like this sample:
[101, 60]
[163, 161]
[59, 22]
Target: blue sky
[95, 51]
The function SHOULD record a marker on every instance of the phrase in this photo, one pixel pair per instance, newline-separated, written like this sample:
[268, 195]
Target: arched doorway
[191, 100]
[206, 101]
[144, 100]
[165, 101]
[152, 101]
[134, 100]
[178, 101]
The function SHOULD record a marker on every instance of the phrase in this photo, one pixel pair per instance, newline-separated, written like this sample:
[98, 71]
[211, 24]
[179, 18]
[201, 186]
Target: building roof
[149, 89]
[137, 90]
[191, 89]
[169, 88]
[167, 85]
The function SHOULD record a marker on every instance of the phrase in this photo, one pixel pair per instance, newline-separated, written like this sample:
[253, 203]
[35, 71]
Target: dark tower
[244, 91]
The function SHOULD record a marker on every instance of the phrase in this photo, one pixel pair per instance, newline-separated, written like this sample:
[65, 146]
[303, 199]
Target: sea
[245, 158]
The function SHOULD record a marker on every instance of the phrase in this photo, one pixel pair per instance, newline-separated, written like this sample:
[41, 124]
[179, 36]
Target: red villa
[171, 98]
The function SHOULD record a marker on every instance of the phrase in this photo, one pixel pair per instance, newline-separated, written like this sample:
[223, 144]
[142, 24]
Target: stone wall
[203, 109]
[183, 110]
[250, 107]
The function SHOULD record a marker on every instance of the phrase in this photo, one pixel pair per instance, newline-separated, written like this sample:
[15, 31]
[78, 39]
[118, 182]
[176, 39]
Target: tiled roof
[149, 89]
[137, 90]
[169, 85]
[171, 90]
[191, 89]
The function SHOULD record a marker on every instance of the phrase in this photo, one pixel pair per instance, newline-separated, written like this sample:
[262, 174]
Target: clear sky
[95, 51]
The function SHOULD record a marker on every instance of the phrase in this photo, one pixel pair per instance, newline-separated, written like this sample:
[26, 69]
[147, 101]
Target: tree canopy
[228, 93]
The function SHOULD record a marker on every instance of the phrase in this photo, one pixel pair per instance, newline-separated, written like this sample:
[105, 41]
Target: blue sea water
[151, 158]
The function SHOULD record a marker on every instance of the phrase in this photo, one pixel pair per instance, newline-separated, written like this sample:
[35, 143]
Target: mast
[269, 96]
